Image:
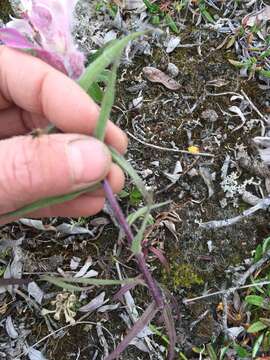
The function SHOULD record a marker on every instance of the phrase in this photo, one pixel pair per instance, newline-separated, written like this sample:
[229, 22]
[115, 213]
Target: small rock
[172, 70]
[210, 115]
[193, 172]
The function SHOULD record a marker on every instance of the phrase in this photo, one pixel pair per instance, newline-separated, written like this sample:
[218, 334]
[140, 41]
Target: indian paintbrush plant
[45, 30]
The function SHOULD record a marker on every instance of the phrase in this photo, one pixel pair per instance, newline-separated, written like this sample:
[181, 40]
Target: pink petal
[75, 64]
[22, 26]
[41, 18]
[13, 38]
[52, 59]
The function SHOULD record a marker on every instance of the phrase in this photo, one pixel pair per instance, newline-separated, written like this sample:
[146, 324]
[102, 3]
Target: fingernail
[89, 160]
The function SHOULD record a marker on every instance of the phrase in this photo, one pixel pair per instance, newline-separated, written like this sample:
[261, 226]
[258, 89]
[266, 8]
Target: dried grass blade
[170, 327]
[144, 320]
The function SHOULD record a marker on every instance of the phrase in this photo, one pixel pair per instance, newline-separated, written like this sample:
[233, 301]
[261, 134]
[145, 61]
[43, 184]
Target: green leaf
[105, 59]
[155, 20]
[256, 327]
[257, 345]
[211, 352]
[135, 196]
[125, 165]
[172, 25]
[265, 73]
[95, 93]
[205, 13]
[241, 352]
[266, 342]
[86, 281]
[258, 253]
[254, 300]
[265, 321]
[43, 203]
[259, 301]
[266, 245]
[104, 76]
[136, 247]
[60, 283]
[142, 211]
[223, 352]
[107, 103]
[152, 8]
[237, 64]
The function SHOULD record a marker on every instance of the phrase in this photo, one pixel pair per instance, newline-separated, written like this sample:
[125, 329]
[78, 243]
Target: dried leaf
[106, 308]
[207, 178]
[94, 304]
[175, 176]
[157, 76]
[172, 44]
[10, 329]
[144, 320]
[35, 291]
[74, 263]
[70, 229]
[256, 17]
[85, 268]
[34, 354]
[37, 224]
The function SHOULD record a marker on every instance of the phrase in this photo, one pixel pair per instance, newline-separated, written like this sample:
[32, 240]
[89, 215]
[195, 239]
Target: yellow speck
[193, 149]
[220, 307]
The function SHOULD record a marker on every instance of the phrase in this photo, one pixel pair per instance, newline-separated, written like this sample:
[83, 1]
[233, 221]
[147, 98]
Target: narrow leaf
[211, 352]
[125, 165]
[88, 281]
[254, 300]
[170, 327]
[95, 93]
[256, 346]
[107, 103]
[142, 211]
[54, 200]
[256, 327]
[136, 246]
[258, 301]
[106, 58]
[144, 320]
[241, 352]
[62, 284]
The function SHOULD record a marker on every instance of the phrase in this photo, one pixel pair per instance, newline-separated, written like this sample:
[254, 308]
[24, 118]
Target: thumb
[48, 165]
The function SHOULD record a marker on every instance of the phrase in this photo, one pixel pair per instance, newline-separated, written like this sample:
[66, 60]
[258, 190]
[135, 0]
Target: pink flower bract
[46, 29]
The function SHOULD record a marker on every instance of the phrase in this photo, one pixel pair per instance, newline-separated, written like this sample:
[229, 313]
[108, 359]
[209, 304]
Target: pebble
[172, 70]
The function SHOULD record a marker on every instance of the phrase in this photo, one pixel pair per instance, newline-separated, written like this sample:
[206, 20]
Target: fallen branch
[215, 224]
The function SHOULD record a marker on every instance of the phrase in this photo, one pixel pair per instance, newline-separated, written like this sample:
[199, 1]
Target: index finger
[36, 87]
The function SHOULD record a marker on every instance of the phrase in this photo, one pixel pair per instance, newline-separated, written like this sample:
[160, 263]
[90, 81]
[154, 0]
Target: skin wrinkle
[26, 118]
[40, 92]
[4, 84]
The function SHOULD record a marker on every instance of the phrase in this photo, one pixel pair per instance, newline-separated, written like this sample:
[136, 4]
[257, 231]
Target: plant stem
[152, 285]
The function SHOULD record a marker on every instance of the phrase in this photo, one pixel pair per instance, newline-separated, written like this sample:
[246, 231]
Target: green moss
[182, 275]
[5, 10]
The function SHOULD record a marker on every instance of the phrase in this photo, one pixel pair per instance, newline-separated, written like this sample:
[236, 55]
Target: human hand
[33, 95]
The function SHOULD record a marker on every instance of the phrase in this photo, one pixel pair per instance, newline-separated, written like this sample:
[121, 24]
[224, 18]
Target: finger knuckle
[19, 170]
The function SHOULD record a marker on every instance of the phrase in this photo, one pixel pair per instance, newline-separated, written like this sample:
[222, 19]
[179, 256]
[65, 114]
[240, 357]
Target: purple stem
[152, 285]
